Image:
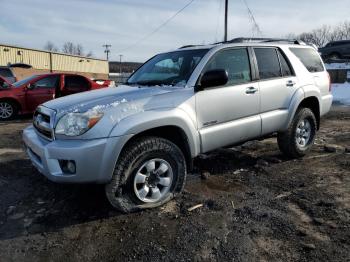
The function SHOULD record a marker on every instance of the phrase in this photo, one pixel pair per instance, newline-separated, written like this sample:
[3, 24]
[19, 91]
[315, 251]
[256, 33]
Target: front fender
[146, 120]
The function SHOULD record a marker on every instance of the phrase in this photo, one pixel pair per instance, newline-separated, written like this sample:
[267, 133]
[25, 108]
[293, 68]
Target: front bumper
[95, 159]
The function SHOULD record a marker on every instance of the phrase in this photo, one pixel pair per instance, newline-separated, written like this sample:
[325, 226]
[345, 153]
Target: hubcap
[6, 110]
[153, 180]
[303, 133]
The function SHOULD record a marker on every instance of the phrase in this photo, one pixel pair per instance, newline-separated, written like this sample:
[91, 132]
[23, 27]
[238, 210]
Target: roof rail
[264, 40]
[185, 46]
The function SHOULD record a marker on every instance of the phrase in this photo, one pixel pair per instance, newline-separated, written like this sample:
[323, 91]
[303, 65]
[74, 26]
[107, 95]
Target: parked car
[24, 96]
[336, 50]
[7, 73]
[140, 139]
[4, 84]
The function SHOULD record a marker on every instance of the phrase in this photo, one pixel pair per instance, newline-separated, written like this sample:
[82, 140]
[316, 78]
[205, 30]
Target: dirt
[256, 206]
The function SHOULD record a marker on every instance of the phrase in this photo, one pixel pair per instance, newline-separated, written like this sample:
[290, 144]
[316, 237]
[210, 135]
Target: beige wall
[23, 73]
[45, 61]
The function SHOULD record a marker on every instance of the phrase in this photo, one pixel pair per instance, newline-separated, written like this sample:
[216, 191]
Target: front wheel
[148, 173]
[8, 110]
[300, 136]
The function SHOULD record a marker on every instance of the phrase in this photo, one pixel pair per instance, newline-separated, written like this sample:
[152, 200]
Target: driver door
[41, 91]
[229, 114]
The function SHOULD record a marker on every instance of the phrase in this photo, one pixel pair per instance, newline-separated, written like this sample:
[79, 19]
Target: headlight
[75, 124]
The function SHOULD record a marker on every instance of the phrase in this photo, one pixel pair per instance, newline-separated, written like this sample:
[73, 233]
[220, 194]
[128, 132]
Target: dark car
[336, 50]
[8, 74]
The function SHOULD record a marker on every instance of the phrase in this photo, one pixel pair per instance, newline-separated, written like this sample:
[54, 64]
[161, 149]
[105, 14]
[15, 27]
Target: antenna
[226, 12]
[107, 50]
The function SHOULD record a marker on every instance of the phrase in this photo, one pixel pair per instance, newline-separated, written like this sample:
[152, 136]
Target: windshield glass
[23, 81]
[174, 68]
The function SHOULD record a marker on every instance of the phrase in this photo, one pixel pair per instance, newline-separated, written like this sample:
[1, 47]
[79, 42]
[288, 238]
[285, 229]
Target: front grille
[43, 123]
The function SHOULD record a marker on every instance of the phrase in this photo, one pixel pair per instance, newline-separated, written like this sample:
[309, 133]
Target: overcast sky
[121, 23]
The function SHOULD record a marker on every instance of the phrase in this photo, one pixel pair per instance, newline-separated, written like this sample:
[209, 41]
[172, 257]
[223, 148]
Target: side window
[235, 62]
[309, 57]
[47, 82]
[76, 83]
[285, 66]
[268, 64]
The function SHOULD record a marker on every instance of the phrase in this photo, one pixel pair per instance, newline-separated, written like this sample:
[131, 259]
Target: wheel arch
[12, 100]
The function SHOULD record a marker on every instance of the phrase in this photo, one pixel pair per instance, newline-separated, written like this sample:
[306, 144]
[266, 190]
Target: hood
[106, 98]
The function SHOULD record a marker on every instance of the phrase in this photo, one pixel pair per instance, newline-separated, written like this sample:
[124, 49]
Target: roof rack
[264, 40]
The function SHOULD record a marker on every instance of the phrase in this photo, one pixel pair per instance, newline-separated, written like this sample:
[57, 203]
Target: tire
[8, 110]
[334, 56]
[303, 126]
[135, 172]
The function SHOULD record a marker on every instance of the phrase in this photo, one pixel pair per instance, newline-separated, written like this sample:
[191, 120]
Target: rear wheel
[149, 172]
[300, 136]
[334, 56]
[8, 110]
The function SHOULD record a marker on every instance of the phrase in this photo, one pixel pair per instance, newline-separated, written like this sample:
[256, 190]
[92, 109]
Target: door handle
[251, 90]
[290, 83]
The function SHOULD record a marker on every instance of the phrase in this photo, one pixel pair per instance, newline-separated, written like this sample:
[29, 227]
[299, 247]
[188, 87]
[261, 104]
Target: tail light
[329, 82]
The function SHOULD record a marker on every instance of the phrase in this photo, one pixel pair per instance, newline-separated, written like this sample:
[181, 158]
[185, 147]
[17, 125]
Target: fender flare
[159, 118]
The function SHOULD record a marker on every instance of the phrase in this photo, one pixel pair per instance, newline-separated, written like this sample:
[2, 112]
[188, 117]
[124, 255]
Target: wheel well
[14, 101]
[174, 134]
[313, 104]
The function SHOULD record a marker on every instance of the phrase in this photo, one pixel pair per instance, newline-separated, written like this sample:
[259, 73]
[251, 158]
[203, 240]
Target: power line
[256, 27]
[158, 28]
[107, 50]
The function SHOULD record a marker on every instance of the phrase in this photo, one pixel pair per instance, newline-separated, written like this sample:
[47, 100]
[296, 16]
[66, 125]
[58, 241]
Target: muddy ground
[257, 206]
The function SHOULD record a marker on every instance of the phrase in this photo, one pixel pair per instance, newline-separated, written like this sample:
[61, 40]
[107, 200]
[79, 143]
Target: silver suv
[140, 139]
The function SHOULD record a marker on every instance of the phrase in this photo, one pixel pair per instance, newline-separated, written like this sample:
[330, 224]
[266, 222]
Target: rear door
[75, 84]
[277, 83]
[229, 114]
[41, 90]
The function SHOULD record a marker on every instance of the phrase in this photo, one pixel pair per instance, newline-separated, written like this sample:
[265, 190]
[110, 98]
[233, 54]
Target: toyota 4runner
[140, 139]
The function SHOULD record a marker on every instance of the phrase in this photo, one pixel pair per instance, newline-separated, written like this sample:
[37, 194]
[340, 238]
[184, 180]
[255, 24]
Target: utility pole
[107, 50]
[226, 11]
[120, 64]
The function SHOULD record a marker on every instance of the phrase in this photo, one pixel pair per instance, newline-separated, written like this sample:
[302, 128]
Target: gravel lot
[257, 206]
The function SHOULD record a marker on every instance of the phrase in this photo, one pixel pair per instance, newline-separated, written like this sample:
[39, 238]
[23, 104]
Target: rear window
[309, 58]
[5, 72]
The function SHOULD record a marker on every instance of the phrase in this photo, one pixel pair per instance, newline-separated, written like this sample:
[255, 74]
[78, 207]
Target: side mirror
[212, 78]
[30, 86]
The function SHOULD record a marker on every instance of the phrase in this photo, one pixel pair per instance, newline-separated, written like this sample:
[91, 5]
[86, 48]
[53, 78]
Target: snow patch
[341, 93]
[334, 66]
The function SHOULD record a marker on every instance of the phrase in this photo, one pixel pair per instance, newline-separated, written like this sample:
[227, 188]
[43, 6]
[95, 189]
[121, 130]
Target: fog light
[68, 166]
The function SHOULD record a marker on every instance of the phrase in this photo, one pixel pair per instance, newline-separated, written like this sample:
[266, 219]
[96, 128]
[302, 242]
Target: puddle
[214, 185]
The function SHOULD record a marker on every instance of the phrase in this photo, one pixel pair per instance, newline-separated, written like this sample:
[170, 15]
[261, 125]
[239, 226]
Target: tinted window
[268, 63]
[5, 72]
[285, 66]
[309, 58]
[76, 83]
[47, 82]
[235, 62]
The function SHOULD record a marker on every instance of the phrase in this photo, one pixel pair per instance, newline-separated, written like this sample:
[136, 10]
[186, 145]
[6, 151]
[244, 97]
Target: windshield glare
[174, 68]
[23, 81]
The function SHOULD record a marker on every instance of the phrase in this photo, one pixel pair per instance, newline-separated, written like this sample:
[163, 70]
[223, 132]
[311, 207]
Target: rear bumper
[95, 159]
[326, 104]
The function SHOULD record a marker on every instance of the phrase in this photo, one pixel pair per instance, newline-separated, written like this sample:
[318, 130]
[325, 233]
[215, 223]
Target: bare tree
[49, 46]
[326, 33]
[75, 49]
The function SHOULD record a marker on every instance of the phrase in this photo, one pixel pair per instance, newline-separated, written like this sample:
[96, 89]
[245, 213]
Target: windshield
[174, 68]
[23, 81]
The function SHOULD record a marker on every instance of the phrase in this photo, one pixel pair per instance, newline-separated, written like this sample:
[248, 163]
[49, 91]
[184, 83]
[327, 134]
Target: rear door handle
[290, 83]
[251, 90]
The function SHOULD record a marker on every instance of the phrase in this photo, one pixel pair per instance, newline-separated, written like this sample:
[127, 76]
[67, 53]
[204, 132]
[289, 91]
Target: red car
[24, 96]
